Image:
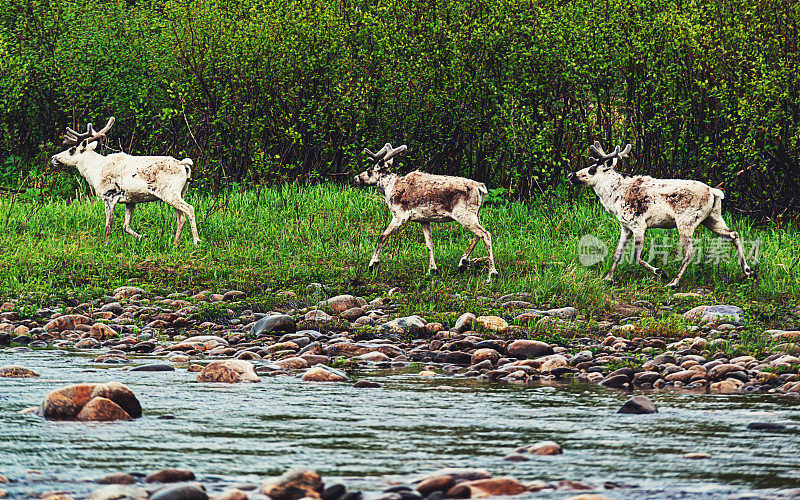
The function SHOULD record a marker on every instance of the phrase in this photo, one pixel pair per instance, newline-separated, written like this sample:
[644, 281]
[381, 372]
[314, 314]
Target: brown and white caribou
[122, 178]
[642, 202]
[425, 198]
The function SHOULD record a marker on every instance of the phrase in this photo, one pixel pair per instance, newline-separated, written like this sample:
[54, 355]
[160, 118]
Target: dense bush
[507, 92]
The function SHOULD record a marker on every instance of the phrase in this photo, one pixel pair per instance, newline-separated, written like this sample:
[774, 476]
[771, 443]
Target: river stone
[552, 362]
[463, 473]
[528, 349]
[294, 485]
[275, 323]
[542, 448]
[492, 323]
[234, 494]
[101, 331]
[228, 371]
[126, 292]
[206, 338]
[715, 314]
[436, 483]
[638, 405]
[485, 355]
[495, 486]
[322, 373]
[121, 395]
[102, 410]
[180, 492]
[317, 315]
[341, 303]
[66, 322]
[563, 312]
[766, 426]
[117, 478]
[411, 325]
[293, 363]
[65, 403]
[154, 367]
[720, 372]
[727, 386]
[232, 295]
[119, 492]
[366, 384]
[15, 371]
[114, 307]
[453, 357]
[374, 357]
[352, 314]
[464, 322]
[170, 476]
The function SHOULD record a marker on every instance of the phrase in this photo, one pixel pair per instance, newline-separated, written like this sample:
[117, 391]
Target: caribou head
[381, 164]
[78, 143]
[602, 164]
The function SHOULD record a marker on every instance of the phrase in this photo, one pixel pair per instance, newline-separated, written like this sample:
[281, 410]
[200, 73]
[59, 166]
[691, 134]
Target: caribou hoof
[433, 271]
[661, 274]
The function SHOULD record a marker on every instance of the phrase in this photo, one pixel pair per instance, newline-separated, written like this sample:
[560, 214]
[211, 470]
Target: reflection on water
[234, 433]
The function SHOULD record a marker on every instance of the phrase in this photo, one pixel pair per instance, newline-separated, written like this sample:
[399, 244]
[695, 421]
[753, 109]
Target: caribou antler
[72, 137]
[376, 157]
[598, 154]
[395, 151]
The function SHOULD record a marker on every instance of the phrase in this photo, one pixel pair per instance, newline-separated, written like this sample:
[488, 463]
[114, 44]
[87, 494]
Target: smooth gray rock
[274, 323]
[638, 405]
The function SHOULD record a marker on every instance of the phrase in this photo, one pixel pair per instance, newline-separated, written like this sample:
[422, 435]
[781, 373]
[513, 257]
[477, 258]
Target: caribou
[425, 198]
[642, 202]
[122, 178]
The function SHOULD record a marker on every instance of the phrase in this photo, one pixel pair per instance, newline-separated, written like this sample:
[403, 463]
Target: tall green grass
[289, 236]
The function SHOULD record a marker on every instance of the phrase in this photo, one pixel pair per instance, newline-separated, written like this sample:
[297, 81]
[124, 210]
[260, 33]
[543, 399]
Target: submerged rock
[170, 476]
[322, 373]
[541, 448]
[15, 371]
[638, 405]
[114, 401]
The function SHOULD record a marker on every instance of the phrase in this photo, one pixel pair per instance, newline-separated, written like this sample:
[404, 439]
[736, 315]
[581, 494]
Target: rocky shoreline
[332, 340]
[346, 332]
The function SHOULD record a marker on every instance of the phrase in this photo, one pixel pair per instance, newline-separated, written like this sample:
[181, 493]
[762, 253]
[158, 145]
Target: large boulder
[109, 401]
[66, 322]
[716, 314]
[103, 410]
[273, 324]
[528, 349]
[65, 403]
[121, 395]
[228, 371]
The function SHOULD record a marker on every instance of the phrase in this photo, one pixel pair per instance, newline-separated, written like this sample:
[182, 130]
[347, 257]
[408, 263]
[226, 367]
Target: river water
[371, 438]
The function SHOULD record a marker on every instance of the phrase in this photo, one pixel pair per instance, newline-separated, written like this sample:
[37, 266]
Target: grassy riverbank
[285, 238]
